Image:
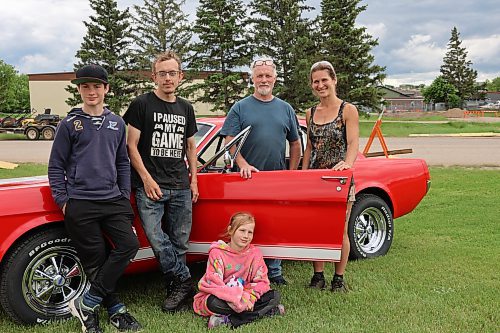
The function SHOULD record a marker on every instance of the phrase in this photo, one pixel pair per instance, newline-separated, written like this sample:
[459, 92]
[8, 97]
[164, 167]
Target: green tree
[456, 69]
[108, 43]
[348, 48]
[493, 85]
[21, 92]
[160, 25]
[441, 91]
[223, 49]
[14, 89]
[281, 32]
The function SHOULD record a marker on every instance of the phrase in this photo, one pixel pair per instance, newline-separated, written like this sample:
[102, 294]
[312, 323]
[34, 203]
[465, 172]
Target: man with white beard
[273, 122]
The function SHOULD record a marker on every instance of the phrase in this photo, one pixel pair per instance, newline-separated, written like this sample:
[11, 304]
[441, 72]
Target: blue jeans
[273, 267]
[169, 247]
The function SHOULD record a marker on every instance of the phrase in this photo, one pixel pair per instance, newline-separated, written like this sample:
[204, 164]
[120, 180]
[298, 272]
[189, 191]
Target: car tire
[48, 133]
[371, 227]
[39, 276]
[32, 133]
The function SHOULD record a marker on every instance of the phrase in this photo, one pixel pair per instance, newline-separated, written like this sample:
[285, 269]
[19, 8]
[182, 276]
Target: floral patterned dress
[329, 141]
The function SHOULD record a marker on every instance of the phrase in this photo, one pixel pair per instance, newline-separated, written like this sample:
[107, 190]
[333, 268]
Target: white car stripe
[283, 252]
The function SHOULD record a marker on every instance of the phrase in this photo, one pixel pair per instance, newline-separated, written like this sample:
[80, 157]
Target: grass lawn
[24, 170]
[403, 116]
[12, 136]
[407, 128]
[441, 275]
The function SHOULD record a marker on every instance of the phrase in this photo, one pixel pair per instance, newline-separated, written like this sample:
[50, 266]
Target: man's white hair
[263, 58]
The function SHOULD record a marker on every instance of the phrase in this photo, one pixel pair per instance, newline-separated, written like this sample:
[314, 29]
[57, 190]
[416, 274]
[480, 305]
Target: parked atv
[12, 122]
[47, 119]
[43, 126]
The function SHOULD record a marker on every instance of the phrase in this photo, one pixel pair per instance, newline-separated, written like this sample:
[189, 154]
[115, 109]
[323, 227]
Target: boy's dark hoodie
[89, 161]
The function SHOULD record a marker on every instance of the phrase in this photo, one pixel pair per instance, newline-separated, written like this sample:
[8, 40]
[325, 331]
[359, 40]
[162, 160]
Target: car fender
[375, 187]
[405, 186]
[11, 233]
[25, 204]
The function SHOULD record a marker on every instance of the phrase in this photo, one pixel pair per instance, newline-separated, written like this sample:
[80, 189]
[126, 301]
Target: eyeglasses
[164, 74]
[268, 62]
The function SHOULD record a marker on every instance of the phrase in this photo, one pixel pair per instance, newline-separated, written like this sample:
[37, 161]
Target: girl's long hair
[236, 221]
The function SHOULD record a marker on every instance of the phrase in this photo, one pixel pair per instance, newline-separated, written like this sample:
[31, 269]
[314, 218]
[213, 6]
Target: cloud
[483, 51]
[40, 36]
[419, 54]
[415, 78]
[376, 30]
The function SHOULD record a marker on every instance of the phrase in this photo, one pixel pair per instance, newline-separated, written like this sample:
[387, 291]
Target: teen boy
[161, 128]
[89, 175]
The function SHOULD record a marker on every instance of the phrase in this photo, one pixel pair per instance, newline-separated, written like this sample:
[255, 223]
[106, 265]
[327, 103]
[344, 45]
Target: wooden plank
[390, 152]
[7, 165]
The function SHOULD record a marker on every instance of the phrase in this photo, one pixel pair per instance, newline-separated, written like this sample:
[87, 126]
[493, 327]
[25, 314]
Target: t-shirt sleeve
[293, 133]
[232, 124]
[133, 115]
[191, 127]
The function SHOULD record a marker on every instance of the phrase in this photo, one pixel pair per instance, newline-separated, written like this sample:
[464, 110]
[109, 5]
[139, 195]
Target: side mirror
[228, 161]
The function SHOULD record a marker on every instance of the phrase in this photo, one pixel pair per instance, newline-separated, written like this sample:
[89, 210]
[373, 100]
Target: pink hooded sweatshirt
[239, 278]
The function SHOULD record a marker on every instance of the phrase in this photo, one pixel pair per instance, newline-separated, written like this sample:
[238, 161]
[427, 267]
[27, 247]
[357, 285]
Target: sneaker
[180, 294]
[88, 316]
[318, 281]
[339, 286]
[279, 310]
[169, 286]
[278, 280]
[124, 321]
[218, 320]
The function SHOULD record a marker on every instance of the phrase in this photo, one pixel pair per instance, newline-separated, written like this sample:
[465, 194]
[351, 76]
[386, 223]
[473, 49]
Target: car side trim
[283, 252]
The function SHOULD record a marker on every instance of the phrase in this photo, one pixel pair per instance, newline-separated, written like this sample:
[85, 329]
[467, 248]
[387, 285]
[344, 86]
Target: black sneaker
[181, 293]
[278, 280]
[124, 321]
[87, 316]
[169, 285]
[339, 286]
[318, 281]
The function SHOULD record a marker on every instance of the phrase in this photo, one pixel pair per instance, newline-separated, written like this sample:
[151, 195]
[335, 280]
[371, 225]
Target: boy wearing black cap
[89, 176]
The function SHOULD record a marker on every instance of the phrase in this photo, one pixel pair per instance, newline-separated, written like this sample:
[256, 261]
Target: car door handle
[342, 180]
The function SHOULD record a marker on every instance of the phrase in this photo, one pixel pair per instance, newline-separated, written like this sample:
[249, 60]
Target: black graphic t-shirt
[164, 128]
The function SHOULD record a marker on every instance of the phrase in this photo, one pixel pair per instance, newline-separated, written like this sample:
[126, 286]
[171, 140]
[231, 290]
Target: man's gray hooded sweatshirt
[89, 158]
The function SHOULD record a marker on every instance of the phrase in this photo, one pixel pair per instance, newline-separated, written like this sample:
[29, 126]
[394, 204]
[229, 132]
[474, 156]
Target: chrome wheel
[370, 230]
[51, 279]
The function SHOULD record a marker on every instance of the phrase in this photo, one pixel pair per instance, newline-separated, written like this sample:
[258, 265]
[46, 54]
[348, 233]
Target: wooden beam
[389, 152]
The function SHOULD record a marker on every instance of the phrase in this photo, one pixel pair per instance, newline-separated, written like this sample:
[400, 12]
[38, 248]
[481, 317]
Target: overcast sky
[42, 36]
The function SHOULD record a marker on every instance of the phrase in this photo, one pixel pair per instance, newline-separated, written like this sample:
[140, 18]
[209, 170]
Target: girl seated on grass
[235, 288]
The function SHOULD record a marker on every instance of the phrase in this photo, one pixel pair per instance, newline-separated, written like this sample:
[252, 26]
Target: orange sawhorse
[377, 131]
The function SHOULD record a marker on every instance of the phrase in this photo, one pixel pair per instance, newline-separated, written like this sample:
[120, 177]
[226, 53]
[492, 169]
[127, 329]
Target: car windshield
[203, 130]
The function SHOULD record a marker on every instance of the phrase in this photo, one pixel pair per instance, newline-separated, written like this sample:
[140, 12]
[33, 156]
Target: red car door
[299, 214]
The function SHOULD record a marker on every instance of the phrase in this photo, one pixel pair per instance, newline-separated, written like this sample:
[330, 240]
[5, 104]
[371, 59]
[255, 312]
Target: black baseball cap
[91, 73]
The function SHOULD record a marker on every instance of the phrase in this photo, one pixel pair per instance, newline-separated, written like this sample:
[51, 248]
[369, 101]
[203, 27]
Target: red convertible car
[300, 216]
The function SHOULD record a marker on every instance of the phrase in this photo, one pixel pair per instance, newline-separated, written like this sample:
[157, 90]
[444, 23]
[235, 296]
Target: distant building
[47, 91]
[492, 96]
[397, 99]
